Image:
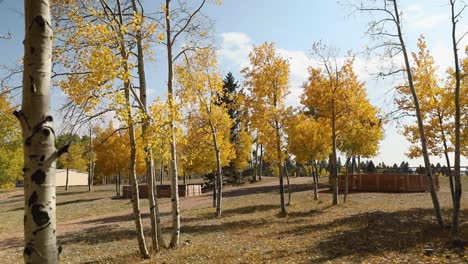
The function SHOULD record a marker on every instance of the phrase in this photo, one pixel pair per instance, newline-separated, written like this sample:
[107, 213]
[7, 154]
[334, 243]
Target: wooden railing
[164, 191]
[387, 182]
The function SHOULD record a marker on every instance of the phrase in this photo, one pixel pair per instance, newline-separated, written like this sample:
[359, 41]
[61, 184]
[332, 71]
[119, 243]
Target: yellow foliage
[11, 151]
[436, 103]
[334, 94]
[75, 158]
[207, 121]
[308, 139]
[267, 80]
[113, 154]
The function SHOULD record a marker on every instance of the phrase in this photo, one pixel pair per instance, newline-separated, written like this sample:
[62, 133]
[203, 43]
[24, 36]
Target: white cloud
[151, 91]
[299, 62]
[235, 48]
[428, 22]
[417, 17]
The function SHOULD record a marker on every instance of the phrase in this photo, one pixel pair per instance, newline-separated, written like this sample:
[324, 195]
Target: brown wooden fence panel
[164, 191]
[387, 182]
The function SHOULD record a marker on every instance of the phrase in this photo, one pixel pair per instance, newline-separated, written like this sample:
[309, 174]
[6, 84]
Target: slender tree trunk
[447, 159]
[457, 175]
[315, 179]
[173, 162]
[346, 180]
[66, 180]
[218, 175]
[359, 164]
[159, 232]
[215, 186]
[280, 168]
[133, 178]
[261, 164]
[334, 172]
[120, 183]
[422, 134]
[149, 162]
[91, 163]
[91, 178]
[135, 191]
[152, 199]
[161, 175]
[256, 163]
[289, 184]
[132, 140]
[116, 186]
[40, 154]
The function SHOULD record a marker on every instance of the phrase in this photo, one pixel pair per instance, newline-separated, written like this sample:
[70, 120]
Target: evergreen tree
[370, 167]
[228, 98]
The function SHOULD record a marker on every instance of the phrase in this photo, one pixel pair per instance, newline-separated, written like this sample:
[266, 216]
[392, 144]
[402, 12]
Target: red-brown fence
[387, 182]
[164, 191]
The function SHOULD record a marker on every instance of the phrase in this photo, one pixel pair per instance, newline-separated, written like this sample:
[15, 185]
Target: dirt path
[267, 185]
[118, 219]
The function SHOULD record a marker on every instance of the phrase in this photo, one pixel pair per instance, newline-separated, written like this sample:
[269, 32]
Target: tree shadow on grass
[13, 200]
[97, 235]
[310, 213]
[269, 189]
[233, 211]
[118, 218]
[250, 209]
[374, 232]
[61, 192]
[219, 226]
[62, 203]
[110, 233]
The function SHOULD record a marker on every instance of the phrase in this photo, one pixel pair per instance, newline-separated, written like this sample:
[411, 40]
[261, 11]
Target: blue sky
[294, 26]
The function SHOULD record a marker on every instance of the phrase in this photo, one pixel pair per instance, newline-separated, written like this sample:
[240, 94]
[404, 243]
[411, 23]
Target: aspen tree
[387, 30]
[267, 80]
[40, 154]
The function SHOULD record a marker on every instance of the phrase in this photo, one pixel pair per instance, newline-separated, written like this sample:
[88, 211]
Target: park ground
[370, 228]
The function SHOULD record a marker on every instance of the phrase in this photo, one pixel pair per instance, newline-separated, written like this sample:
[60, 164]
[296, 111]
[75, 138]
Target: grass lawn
[369, 228]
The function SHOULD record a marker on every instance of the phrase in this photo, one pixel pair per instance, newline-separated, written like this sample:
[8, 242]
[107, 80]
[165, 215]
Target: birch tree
[387, 31]
[103, 81]
[40, 154]
[308, 141]
[361, 136]
[267, 81]
[184, 22]
[455, 17]
[201, 85]
[149, 161]
[437, 107]
[332, 92]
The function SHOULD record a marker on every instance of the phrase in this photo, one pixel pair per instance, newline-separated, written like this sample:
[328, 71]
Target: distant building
[75, 178]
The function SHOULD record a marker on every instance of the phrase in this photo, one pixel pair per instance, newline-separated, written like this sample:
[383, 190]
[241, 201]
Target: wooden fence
[164, 191]
[387, 182]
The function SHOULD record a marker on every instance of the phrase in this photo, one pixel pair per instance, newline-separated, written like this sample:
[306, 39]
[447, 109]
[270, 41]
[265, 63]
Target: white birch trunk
[457, 174]
[149, 162]
[40, 243]
[173, 162]
[66, 180]
[219, 177]
[422, 135]
[132, 140]
[315, 174]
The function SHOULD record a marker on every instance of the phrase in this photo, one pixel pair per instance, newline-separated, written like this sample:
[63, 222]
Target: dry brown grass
[370, 228]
